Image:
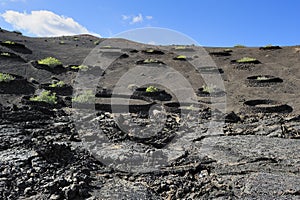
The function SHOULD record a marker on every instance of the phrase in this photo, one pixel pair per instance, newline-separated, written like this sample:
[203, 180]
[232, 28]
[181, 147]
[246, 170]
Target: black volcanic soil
[52, 151]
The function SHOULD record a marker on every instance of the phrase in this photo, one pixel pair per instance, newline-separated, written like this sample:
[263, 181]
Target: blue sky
[209, 22]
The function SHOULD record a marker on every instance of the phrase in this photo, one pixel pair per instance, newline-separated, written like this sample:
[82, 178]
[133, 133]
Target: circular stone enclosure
[262, 80]
[267, 106]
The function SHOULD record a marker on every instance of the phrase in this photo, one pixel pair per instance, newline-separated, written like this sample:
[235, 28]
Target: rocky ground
[193, 151]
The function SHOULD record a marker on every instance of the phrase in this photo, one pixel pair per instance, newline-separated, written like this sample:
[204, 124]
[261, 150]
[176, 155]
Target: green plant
[5, 54]
[80, 67]
[181, 57]
[239, 46]
[150, 60]
[227, 50]
[45, 96]
[208, 89]
[180, 47]
[97, 42]
[6, 78]
[57, 84]
[86, 97]
[246, 60]
[9, 42]
[150, 50]
[152, 89]
[76, 39]
[50, 61]
[62, 42]
[262, 78]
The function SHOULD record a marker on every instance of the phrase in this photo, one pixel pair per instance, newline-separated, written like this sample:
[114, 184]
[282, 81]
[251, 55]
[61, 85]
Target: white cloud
[5, 2]
[44, 23]
[125, 17]
[149, 17]
[136, 19]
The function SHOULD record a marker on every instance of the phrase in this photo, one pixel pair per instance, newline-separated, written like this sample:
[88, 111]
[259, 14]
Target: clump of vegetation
[239, 46]
[97, 42]
[6, 78]
[57, 84]
[181, 57]
[262, 78]
[106, 47]
[150, 60]
[75, 38]
[80, 67]
[180, 48]
[150, 50]
[62, 42]
[227, 50]
[86, 97]
[270, 46]
[5, 54]
[152, 89]
[247, 60]
[208, 89]
[50, 61]
[45, 96]
[9, 42]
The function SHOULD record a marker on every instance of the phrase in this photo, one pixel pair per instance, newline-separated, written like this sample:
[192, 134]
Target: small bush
[208, 89]
[150, 60]
[50, 61]
[181, 57]
[86, 97]
[97, 42]
[262, 78]
[80, 67]
[62, 42]
[180, 48]
[6, 78]
[57, 84]
[227, 50]
[247, 60]
[239, 46]
[152, 89]
[5, 54]
[9, 42]
[45, 96]
[150, 50]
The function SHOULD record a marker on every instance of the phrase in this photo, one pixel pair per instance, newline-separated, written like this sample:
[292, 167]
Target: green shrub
[97, 42]
[150, 60]
[57, 84]
[246, 60]
[239, 46]
[50, 61]
[149, 50]
[62, 42]
[80, 67]
[262, 78]
[227, 50]
[181, 57]
[86, 97]
[180, 48]
[9, 42]
[45, 96]
[6, 78]
[152, 89]
[5, 54]
[208, 89]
